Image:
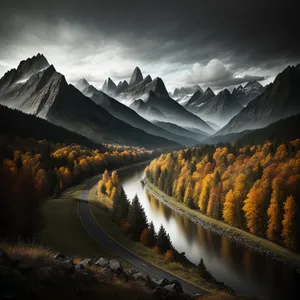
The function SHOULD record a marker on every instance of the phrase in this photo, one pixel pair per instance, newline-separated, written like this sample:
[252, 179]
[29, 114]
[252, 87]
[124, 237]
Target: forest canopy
[255, 188]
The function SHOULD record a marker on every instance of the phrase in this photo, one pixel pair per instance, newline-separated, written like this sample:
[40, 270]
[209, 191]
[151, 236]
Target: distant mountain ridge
[46, 94]
[246, 94]
[279, 100]
[220, 108]
[126, 114]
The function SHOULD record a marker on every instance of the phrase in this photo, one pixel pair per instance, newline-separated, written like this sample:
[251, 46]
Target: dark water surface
[246, 271]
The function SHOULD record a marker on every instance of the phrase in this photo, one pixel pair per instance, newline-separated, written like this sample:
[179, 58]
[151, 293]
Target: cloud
[165, 38]
[215, 74]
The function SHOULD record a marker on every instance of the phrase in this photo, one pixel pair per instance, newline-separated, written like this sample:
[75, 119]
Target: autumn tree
[204, 195]
[288, 223]
[274, 213]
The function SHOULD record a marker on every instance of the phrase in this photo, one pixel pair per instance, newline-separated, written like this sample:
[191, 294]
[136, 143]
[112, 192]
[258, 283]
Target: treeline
[255, 188]
[31, 171]
[16, 123]
[131, 218]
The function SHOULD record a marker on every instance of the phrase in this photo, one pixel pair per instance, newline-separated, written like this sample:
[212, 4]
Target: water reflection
[245, 271]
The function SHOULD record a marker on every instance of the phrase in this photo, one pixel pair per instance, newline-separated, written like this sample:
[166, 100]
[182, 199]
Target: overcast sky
[208, 42]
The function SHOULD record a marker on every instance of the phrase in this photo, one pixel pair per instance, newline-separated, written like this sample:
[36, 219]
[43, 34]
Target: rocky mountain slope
[46, 94]
[219, 109]
[126, 114]
[279, 100]
[246, 94]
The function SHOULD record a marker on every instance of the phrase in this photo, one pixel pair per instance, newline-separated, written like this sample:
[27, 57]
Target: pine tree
[163, 240]
[120, 207]
[136, 219]
[152, 235]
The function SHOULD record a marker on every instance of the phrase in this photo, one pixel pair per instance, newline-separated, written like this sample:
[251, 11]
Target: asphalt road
[105, 240]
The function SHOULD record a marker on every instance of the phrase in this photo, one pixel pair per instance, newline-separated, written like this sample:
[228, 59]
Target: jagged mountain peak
[136, 77]
[159, 87]
[25, 69]
[209, 91]
[82, 84]
[224, 93]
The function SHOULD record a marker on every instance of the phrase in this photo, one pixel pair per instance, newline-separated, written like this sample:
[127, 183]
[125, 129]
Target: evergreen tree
[152, 235]
[120, 207]
[136, 219]
[163, 240]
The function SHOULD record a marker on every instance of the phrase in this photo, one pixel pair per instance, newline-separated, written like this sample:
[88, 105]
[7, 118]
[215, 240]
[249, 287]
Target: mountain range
[141, 112]
[35, 87]
[280, 99]
[126, 114]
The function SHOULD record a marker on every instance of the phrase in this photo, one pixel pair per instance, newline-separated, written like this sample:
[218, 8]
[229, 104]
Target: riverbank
[188, 272]
[258, 244]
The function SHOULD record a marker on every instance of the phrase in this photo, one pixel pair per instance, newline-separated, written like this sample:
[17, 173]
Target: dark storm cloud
[241, 35]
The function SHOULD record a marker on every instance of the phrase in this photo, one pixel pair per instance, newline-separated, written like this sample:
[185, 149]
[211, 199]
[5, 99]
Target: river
[244, 270]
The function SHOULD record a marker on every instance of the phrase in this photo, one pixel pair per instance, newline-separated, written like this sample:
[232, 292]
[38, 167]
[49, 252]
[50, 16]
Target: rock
[84, 264]
[4, 258]
[79, 266]
[132, 271]
[161, 282]
[178, 286]
[115, 266]
[171, 288]
[102, 262]
[58, 255]
[141, 276]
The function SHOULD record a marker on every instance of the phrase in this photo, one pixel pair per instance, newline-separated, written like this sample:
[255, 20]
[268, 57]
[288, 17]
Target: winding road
[105, 240]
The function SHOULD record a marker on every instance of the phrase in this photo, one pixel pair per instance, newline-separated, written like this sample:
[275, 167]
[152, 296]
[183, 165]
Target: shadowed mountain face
[219, 109]
[128, 115]
[279, 100]
[198, 99]
[159, 105]
[46, 94]
[25, 69]
[109, 86]
[246, 94]
[136, 77]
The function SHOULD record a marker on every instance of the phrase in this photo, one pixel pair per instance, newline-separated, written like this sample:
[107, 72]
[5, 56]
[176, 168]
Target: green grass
[103, 217]
[63, 230]
[230, 230]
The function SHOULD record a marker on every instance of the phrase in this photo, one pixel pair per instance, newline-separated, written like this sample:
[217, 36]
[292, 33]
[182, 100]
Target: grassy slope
[229, 230]
[103, 217]
[63, 229]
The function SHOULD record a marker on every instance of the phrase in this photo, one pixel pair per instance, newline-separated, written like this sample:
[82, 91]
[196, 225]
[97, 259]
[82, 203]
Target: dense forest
[32, 170]
[255, 188]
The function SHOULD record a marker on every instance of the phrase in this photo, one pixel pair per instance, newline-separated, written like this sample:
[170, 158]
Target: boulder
[102, 262]
[84, 264]
[58, 255]
[160, 282]
[174, 287]
[177, 285]
[115, 266]
[171, 288]
[141, 276]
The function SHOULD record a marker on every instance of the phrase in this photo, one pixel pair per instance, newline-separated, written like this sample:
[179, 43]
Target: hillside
[16, 123]
[281, 131]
